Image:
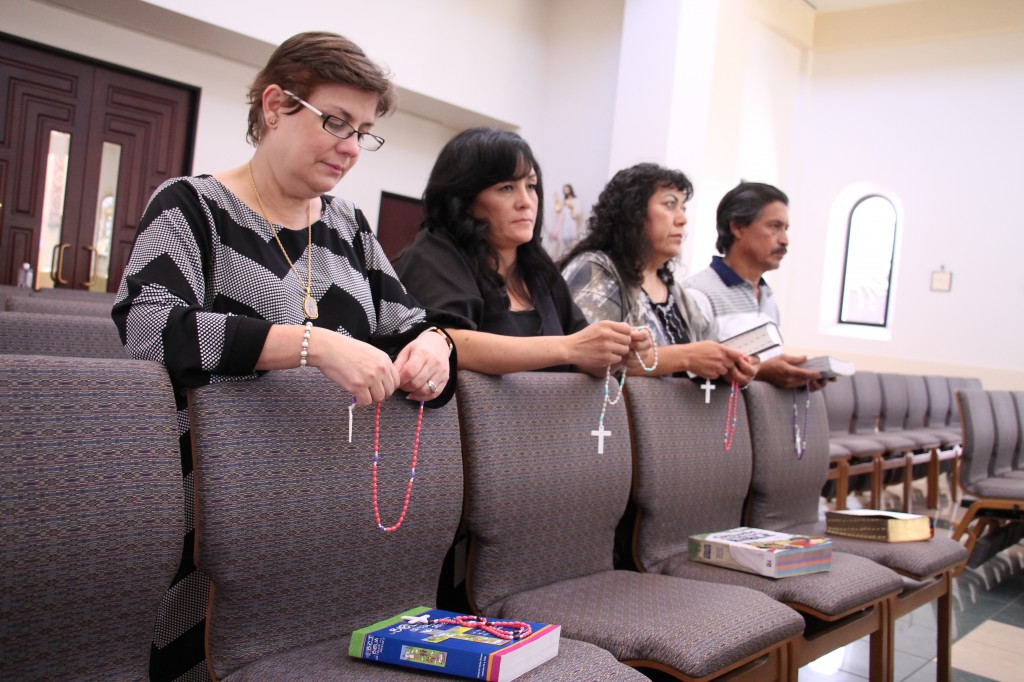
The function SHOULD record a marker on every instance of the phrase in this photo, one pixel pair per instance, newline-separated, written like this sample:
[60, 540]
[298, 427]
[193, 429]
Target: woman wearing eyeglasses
[256, 268]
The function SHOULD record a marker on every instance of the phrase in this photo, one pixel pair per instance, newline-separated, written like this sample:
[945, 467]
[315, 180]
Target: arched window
[868, 263]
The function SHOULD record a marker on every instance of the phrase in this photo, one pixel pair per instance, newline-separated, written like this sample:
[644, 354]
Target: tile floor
[988, 632]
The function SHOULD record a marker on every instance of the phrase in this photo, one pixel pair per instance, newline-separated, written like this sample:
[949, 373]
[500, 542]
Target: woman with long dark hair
[478, 266]
[622, 271]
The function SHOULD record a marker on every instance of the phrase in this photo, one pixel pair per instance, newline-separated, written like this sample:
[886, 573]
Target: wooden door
[399, 220]
[82, 147]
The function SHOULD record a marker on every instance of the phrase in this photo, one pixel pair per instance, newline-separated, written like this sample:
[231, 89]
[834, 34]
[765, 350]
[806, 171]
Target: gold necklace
[309, 306]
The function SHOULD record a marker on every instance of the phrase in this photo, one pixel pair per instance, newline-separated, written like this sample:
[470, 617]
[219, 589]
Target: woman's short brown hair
[308, 60]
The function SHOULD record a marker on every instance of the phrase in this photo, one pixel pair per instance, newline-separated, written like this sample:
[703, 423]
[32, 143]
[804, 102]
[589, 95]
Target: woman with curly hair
[478, 266]
[622, 271]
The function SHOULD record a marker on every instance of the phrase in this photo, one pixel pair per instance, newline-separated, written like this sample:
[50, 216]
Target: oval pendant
[309, 307]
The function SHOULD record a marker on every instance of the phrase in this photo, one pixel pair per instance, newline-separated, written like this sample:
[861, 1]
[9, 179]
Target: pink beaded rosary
[798, 443]
[517, 629]
[732, 408]
[412, 469]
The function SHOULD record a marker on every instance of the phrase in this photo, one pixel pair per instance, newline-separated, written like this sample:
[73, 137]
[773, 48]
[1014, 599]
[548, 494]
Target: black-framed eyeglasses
[342, 129]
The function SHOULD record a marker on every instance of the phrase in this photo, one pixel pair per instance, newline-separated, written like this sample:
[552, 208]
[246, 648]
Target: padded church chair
[58, 305]
[867, 419]
[1007, 435]
[945, 456]
[893, 420]
[543, 502]
[90, 483]
[62, 335]
[1018, 457]
[865, 454]
[686, 483]
[288, 535]
[783, 498]
[995, 504]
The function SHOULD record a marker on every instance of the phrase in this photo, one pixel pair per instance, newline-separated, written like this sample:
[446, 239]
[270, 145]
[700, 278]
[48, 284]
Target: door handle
[56, 274]
[92, 264]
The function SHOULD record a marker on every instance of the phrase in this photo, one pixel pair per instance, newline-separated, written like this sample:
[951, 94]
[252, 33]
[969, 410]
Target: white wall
[936, 124]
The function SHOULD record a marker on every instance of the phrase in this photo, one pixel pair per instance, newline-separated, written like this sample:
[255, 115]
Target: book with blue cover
[410, 639]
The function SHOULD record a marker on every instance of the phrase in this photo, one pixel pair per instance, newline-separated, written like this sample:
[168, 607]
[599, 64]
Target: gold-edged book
[874, 524]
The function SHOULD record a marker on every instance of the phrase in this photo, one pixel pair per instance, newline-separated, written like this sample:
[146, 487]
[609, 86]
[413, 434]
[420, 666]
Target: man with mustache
[752, 221]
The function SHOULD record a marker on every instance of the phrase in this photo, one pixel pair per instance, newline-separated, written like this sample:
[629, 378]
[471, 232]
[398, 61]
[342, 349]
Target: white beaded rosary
[600, 432]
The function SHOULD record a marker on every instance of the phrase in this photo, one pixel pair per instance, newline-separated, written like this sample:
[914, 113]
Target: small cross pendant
[708, 387]
[600, 432]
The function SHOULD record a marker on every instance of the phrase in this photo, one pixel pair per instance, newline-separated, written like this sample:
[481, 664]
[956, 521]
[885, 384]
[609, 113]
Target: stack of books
[411, 640]
[874, 524]
[764, 552]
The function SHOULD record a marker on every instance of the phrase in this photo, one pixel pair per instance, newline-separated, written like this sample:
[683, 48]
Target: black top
[439, 275]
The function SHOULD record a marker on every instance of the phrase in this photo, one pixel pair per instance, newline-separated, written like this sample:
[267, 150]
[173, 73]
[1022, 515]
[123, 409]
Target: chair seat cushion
[1009, 488]
[693, 627]
[848, 585]
[915, 559]
[329, 661]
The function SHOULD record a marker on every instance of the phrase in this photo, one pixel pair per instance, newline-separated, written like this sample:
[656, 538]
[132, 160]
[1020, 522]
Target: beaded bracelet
[305, 344]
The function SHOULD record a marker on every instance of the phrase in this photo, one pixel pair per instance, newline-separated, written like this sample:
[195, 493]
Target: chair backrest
[895, 402]
[785, 486]
[1007, 432]
[1018, 453]
[92, 499]
[105, 297]
[979, 435]
[940, 402]
[685, 482]
[839, 399]
[956, 383]
[286, 526]
[867, 402]
[542, 503]
[917, 401]
[63, 335]
[57, 305]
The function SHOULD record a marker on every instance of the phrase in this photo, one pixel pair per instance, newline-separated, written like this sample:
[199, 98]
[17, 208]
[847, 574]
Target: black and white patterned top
[206, 280]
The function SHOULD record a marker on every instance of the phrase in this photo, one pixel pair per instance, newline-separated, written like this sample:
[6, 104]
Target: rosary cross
[600, 432]
[708, 387]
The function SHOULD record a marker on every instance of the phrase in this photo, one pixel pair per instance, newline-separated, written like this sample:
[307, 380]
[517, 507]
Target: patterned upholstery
[940, 400]
[895, 410]
[989, 421]
[92, 498]
[288, 536]
[1007, 432]
[63, 335]
[979, 437]
[783, 495]
[286, 525]
[917, 412]
[59, 305]
[542, 507]
[686, 483]
[1018, 457]
[839, 400]
[867, 412]
[576, 661]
